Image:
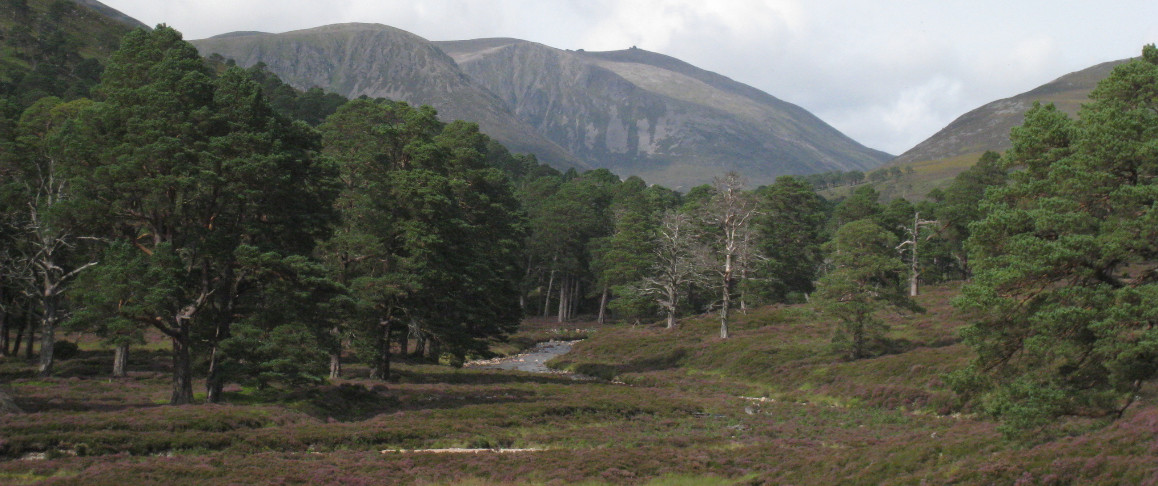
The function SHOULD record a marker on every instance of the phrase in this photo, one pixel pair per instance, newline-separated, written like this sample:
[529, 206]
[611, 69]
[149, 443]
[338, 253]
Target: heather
[217, 293]
[772, 404]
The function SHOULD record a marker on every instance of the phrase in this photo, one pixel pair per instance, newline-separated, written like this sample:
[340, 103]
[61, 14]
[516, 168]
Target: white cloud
[905, 119]
[888, 74]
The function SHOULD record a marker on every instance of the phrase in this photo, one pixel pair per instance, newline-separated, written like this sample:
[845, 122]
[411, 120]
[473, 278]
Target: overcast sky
[887, 73]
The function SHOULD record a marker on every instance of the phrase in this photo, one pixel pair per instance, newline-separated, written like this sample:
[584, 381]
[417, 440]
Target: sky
[887, 73]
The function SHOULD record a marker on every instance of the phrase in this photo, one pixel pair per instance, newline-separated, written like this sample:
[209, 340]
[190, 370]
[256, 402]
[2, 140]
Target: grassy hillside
[958, 146]
[54, 48]
[771, 405]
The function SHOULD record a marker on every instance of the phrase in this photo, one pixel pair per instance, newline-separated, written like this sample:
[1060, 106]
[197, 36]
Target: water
[532, 361]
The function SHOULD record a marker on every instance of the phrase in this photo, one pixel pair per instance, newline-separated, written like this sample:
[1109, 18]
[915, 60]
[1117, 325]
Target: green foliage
[430, 237]
[867, 277]
[179, 170]
[790, 225]
[1064, 292]
[52, 48]
[622, 258]
[960, 203]
[862, 204]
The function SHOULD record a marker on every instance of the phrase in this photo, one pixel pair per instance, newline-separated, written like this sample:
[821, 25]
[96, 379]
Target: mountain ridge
[957, 146]
[633, 111]
[987, 127]
[353, 60]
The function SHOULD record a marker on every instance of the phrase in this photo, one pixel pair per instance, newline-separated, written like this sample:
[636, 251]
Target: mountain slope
[379, 61]
[638, 112]
[633, 111]
[112, 13]
[50, 48]
[958, 146]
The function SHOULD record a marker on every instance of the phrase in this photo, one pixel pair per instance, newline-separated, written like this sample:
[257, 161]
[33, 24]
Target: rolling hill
[632, 111]
[958, 146]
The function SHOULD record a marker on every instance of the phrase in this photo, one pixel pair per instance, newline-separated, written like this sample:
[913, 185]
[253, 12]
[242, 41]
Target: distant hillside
[56, 49]
[633, 111]
[112, 13]
[643, 113]
[958, 146]
[379, 61]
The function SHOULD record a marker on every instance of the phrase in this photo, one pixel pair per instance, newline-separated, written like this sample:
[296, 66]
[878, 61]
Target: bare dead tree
[679, 262]
[49, 244]
[730, 212]
[911, 246]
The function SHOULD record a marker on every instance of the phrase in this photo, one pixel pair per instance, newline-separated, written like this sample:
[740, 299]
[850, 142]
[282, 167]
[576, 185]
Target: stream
[533, 360]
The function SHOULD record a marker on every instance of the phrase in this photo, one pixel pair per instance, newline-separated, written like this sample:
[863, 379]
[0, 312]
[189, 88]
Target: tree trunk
[335, 366]
[336, 354]
[743, 279]
[563, 294]
[727, 297]
[858, 340]
[672, 304]
[603, 306]
[915, 273]
[913, 284]
[215, 382]
[404, 341]
[47, 336]
[30, 326]
[381, 368]
[120, 361]
[576, 297]
[419, 344]
[182, 366]
[23, 323]
[547, 299]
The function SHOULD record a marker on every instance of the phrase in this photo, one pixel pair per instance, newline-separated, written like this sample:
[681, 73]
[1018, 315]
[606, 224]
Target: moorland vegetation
[300, 278]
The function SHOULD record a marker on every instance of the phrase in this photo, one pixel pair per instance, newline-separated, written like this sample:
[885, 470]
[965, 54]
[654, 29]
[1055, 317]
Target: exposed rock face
[379, 61]
[987, 127]
[634, 112]
[638, 112]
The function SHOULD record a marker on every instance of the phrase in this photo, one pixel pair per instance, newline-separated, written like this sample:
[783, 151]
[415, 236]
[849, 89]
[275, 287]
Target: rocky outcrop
[379, 61]
[633, 112]
[638, 112]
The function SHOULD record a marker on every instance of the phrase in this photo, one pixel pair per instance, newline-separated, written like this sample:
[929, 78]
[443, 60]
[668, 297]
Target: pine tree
[867, 277]
[1064, 291]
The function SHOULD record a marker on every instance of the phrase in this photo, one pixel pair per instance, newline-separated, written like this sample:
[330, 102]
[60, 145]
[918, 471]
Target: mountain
[379, 61]
[958, 146]
[632, 111]
[53, 48]
[112, 13]
[638, 112]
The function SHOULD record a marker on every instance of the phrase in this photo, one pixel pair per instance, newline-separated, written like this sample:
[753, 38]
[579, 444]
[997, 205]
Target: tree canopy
[1064, 260]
